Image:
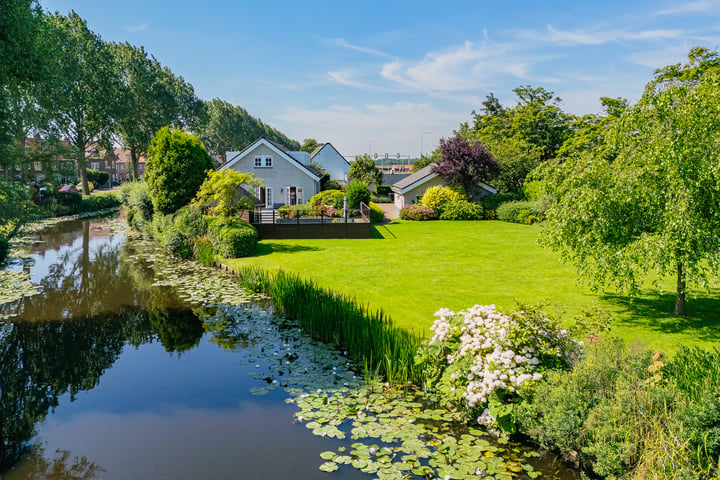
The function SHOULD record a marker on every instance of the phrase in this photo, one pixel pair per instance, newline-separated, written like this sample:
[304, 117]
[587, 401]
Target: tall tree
[653, 206]
[309, 145]
[82, 99]
[463, 164]
[151, 97]
[363, 169]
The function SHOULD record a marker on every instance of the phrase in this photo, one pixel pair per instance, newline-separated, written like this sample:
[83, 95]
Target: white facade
[332, 162]
[286, 181]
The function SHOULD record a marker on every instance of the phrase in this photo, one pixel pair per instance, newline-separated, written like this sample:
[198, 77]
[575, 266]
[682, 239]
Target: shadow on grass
[267, 249]
[655, 312]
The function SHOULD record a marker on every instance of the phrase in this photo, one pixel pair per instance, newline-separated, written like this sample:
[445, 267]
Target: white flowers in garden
[487, 351]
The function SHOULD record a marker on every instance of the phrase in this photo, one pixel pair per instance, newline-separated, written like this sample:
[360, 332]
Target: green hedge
[232, 238]
[376, 213]
[520, 211]
[417, 212]
[461, 210]
[4, 247]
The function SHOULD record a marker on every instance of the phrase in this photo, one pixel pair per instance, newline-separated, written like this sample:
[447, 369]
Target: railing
[270, 225]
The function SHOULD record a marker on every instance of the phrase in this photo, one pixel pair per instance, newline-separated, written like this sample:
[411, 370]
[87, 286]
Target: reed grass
[368, 336]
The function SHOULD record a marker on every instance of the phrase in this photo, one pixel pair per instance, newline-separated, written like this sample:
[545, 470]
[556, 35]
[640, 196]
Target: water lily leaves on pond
[329, 467]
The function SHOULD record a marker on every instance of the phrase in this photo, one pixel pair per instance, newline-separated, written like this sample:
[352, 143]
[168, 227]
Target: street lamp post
[421, 143]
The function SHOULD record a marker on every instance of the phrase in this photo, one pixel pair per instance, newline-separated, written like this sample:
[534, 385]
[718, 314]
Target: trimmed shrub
[295, 211]
[490, 203]
[417, 212]
[461, 210]
[232, 238]
[521, 211]
[383, 190]
[330, 198]
[436, 197]
[68, 199]
[357, 192]
[376, 213]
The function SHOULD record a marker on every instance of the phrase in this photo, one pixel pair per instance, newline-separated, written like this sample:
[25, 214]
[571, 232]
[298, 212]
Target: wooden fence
[269, 226]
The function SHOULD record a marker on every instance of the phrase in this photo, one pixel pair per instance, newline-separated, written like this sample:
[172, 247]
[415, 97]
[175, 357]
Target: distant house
[124, 164]
[330, 160]
[410, 189]
[289, 178]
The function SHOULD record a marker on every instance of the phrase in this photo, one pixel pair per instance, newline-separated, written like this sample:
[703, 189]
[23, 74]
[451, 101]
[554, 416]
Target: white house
[331, 162]
[410, 189]
[288, 177]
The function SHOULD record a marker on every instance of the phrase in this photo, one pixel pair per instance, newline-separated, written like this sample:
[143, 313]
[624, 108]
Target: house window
[299, 195]
[95, 165]
[37, 166]
[268, 161]
[258, 161]
[268, 197]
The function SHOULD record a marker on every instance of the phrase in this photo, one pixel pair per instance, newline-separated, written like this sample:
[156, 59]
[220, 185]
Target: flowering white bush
[486, 354]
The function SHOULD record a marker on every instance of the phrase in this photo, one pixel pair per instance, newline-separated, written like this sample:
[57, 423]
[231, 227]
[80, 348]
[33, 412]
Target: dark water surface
[105, 375]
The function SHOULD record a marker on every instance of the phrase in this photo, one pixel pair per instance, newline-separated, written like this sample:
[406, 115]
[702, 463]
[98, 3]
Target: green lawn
[412, 269]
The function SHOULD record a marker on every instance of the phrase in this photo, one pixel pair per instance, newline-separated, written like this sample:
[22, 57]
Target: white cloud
[347, 78]
[137, 28]
[342, 43]
[599, 37]
[690, 7]
[392, 128]
[469, 66]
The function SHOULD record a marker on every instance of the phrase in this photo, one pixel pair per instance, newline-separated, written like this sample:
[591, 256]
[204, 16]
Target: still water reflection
[105, 375]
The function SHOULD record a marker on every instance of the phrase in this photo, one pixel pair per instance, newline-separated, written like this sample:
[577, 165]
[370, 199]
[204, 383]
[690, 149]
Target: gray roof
[414, 177]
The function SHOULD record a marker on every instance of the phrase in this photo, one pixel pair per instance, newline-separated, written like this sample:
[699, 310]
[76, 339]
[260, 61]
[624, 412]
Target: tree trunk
[680, 294]
[134, 161]
[82, 170]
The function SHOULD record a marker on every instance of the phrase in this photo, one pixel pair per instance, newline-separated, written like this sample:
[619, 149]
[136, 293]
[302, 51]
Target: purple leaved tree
[463, 165]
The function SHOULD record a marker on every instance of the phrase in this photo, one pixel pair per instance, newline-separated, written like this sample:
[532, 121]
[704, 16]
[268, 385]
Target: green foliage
[232, 238]
[14, 204]
[376, 213]
[490, 203]
[136, 197]
[204, 252]
[227, 127]
[417, 212]
[648, 204]
[383, 190]
[330, 198]
[4, 247]
[177, 165]
[98, 177]
[72, 203]
[224, 193]
[437, 196]
[357, 191]
[191, 220]
[363, 169]
[461, 210]
[300, 211]
[309, 145]
[522, 211]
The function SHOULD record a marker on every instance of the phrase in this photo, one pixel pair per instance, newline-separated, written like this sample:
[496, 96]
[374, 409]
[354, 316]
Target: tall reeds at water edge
[368, 336]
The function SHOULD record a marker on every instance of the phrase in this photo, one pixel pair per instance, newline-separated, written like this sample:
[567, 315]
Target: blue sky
[377, 75]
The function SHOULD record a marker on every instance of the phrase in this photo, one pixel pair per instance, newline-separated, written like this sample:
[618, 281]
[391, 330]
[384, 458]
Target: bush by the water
[136, 197]
[461, 210]
[73, 203]
[4, 247]
[417, 212]
[626, 412]
[232, 238]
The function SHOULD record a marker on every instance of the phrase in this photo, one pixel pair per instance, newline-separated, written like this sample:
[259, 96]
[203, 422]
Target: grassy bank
[414, 268]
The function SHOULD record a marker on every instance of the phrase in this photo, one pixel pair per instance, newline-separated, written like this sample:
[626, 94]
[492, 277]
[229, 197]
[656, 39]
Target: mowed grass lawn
[412, 269]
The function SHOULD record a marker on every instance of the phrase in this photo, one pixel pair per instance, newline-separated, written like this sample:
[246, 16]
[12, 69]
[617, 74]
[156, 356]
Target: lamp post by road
[421, 143]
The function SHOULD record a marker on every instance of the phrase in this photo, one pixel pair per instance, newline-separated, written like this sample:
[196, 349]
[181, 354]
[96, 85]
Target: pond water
[126, 367]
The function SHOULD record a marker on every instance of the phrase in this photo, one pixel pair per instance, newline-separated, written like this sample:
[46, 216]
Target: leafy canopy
[224, 192]
[177, 164]
[649, 203]
[464, 165]
[364, 169]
